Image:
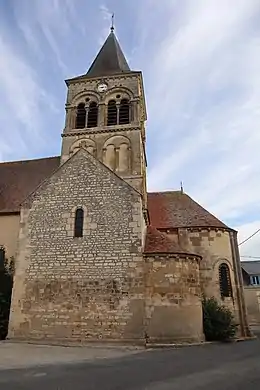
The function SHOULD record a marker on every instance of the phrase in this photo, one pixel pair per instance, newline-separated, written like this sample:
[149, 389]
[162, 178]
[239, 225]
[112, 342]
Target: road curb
[183, 345]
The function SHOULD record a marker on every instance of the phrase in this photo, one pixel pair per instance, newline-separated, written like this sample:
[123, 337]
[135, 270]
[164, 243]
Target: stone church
[97, 257]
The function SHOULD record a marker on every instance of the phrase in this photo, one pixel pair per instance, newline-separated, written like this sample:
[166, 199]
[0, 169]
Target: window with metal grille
[92, 115]
[79, 220]
[124, 112]
[111, 113]
[224, 281]
[81, 116]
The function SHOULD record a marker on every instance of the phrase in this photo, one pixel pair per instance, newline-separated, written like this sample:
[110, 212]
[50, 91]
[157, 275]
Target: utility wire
[248, 238]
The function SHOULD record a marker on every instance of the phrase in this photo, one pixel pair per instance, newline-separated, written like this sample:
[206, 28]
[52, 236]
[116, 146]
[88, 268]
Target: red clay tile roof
[158, 242]
[19, 178]
[175, 209]
[167, 209]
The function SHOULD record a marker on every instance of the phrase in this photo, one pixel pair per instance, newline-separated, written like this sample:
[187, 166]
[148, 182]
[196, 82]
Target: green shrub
[4, 315]
[218, 321]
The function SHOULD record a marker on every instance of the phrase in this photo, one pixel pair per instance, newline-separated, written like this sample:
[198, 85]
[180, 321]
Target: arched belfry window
[92, 115]
[124, 112]
[81, 116]
[79, 220]
[111, 113]
[224, 281]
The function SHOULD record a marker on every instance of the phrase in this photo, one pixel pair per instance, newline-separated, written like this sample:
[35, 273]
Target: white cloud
[203, 93]
[20, 87]
[22, 98]
[55, 21]
[203, 88]
[106, 15]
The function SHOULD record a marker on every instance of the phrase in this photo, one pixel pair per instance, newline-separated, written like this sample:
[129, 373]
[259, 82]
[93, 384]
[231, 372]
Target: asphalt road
[227, 366]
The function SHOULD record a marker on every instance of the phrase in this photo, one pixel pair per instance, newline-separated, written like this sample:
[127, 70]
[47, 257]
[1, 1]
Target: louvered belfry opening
[111, 113]
[81, 116]
[79, 220]
[92, 115]
[224, 281]
[124, 112]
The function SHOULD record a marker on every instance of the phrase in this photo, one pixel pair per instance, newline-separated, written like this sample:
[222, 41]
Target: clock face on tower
[102, 87]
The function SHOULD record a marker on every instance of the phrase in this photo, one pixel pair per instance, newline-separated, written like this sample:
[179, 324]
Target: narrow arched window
[92, 115]
[111, 113]
[79, 220]
[124, 112]
[224, 281]
[81, 116]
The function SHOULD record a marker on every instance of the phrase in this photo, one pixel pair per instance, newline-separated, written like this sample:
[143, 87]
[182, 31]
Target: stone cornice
[99, 131]
[197, 229]
[157, 255]
[119, 76]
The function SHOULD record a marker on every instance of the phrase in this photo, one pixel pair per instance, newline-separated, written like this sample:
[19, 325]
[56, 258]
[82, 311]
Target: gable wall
[80, 288]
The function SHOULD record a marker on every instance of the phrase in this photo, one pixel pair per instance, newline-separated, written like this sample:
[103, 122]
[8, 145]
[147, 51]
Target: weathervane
[112, 22]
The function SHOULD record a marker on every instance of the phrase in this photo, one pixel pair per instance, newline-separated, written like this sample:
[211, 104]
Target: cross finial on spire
[112, 22]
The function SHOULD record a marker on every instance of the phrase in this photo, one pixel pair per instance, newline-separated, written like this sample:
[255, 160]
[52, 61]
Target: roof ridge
[24, 161]
[250, 261]
[167, 192]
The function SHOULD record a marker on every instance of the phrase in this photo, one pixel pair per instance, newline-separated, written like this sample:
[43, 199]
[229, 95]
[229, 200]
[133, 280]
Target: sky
[201, 67]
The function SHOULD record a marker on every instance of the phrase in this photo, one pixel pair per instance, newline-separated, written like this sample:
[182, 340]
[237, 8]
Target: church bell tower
[106, 114]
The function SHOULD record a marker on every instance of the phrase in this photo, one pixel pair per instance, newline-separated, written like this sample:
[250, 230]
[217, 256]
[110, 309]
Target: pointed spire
[110, 59]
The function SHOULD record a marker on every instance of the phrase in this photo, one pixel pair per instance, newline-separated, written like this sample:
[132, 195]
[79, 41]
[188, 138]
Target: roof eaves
[173, 253]
[85, 76]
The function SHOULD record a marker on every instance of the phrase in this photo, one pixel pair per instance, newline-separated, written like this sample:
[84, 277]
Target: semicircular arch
[83, 95]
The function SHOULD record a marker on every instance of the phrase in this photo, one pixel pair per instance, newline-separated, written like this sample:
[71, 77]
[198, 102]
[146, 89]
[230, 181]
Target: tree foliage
[218, 321]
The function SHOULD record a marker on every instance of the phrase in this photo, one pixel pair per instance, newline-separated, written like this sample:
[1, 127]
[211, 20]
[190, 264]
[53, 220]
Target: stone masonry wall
[134, 175]
[126, 86]
[88, 288]
[252, 298]
[215, 248]
[173, 299]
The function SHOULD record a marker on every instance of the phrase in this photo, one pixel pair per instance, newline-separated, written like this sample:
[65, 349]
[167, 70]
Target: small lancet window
[224, 281]
[124, 112]
[92, 115]
[111, 113]
[79, 220]
[81, 116]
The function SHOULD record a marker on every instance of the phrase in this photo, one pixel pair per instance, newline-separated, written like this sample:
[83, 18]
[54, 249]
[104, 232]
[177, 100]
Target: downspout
[245, 331]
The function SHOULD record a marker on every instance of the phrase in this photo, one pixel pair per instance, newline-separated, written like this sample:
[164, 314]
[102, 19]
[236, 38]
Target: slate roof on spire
[110, 59]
